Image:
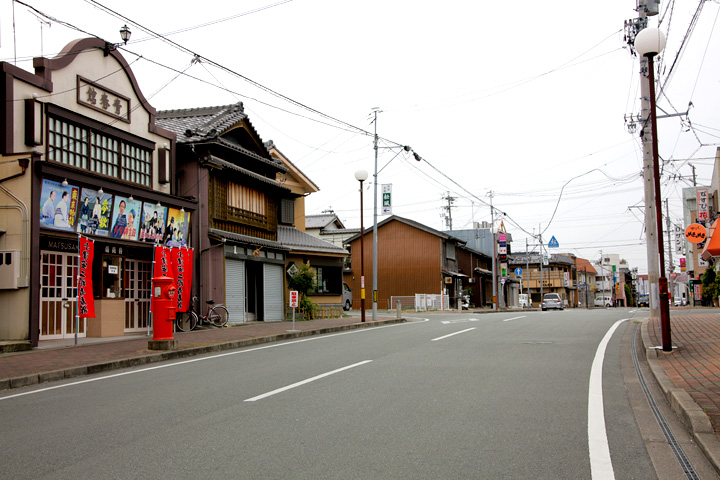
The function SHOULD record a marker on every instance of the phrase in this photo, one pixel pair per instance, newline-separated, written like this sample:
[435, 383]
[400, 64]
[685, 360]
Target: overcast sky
[515, 98]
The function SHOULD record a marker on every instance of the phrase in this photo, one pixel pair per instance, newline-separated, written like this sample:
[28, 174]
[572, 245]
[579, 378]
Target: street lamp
[648, 43]
[361, 176]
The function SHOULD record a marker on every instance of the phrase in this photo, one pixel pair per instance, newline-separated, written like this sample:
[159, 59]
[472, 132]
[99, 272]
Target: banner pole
[77, 305]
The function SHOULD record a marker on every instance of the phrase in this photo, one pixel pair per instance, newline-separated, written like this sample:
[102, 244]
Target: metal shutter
[235, 289]
[273, 276]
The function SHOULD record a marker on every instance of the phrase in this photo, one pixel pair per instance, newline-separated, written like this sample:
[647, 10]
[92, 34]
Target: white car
[603, 302]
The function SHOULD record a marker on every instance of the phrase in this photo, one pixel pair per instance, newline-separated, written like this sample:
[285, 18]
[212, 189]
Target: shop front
[123, 230]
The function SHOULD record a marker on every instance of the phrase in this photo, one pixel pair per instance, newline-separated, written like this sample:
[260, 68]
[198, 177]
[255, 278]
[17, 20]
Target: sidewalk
[689, 376]
[58, 359]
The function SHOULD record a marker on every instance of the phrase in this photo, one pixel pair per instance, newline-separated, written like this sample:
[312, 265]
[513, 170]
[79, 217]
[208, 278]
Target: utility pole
[448, 210]
[651, 226]
[494, 254]
[375, 237]
[671, 266]
[542, 261]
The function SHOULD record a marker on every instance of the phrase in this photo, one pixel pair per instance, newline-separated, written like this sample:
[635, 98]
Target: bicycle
[217, 315]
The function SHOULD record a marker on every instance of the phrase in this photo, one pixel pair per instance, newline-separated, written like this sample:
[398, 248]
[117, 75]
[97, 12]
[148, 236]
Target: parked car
[347, 298]
[603, 302]
[552, 300]
[643, 300]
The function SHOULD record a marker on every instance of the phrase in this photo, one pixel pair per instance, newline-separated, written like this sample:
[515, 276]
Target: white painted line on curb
[304, 382]
[600, 461]
[514, 318]
[453, 334]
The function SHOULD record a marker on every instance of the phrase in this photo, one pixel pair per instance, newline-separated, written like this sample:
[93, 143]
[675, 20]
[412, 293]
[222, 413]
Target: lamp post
[361, 176]
[648, 43]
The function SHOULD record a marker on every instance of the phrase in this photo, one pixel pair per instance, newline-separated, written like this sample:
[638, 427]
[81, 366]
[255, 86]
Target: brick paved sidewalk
[694, 366]
[41, 365]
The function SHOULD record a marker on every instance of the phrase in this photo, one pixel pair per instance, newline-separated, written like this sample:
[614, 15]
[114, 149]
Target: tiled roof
[208, 124]
[225, 164]
[319, 221]
[294, 239]
[197, 124]
[246, 239]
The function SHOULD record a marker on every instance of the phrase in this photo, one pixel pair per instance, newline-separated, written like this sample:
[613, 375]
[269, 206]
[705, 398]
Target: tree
[709, 287]
[304, 282]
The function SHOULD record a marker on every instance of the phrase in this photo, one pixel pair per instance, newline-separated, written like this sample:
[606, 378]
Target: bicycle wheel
[186, 321]
[218, 315]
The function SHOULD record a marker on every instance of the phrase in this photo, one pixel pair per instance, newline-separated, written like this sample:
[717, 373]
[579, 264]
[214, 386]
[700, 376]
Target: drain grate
[682, 459]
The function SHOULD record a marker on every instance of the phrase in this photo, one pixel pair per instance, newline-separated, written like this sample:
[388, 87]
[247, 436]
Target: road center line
[295, 385]
[600, 461]
[452, 334]
[514, 318]
[210, 357]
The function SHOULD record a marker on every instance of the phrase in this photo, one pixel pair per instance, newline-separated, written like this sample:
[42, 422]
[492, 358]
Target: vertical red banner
[182, 263]
[86, 302]
[162, 262]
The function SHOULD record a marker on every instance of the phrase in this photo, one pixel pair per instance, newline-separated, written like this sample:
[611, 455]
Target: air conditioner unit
[9, 268]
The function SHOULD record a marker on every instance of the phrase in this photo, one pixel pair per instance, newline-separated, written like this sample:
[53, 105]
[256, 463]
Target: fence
[422, 302]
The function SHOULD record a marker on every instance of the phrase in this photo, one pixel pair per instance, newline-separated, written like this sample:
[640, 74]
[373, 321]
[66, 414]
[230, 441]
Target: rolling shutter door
[235, 289]
[274, 302]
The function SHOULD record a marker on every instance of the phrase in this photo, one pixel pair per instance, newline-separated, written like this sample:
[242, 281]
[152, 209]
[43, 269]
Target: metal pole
[662, 280]
[494, 254]
[671, 267]
[375, 240]
[362, 258]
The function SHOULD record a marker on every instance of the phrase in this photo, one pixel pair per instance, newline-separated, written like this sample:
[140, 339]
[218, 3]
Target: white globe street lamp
[648, 43]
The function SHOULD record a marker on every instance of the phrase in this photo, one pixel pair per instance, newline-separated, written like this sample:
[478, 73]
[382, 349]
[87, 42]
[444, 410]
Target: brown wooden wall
[409, 262]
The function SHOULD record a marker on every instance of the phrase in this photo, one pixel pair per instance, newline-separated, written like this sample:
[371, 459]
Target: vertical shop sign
[86, 303]
[161, 262]
[703, 209]
[181, 268]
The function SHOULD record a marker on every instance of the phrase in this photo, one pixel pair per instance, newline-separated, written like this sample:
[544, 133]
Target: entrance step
[15, 346]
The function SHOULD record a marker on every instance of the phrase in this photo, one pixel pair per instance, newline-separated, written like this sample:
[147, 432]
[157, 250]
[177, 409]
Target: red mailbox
[163, 305]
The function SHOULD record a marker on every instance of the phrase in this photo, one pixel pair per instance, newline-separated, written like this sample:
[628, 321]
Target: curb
[72, 372]
[689, 412]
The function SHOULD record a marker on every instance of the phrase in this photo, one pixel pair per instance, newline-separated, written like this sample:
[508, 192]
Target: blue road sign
[518, 271]
[553, 243]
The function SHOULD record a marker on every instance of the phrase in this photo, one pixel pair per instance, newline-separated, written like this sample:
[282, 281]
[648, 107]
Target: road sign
[518, 272]
[387, 199]
[293, 298]
[553, 242]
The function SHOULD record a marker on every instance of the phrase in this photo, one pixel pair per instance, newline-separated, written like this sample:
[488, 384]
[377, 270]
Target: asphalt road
[503, 395]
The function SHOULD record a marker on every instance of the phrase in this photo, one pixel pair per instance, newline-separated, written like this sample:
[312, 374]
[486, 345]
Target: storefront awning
[482, 271]
[712, 245]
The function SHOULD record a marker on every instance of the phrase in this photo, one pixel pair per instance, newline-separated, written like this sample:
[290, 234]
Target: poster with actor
[133, 214]
[176, 228]
[94, 213]
[59, 205]
[152, 224]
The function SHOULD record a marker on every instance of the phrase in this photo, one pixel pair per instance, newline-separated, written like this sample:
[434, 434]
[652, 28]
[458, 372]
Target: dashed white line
[514, 318]
[304, 382]
[452, 334]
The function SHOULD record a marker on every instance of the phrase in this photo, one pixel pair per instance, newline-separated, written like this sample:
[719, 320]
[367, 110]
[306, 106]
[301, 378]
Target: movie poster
[59, 205]
[125, 218]
[152, 223]
[94, 213]
[176, 228]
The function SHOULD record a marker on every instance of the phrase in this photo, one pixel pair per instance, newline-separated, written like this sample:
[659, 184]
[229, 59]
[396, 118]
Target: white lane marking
[452, 334]
[600, 461]
[210, 357]
[514, 318]
[295, 385]
[460, 320]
